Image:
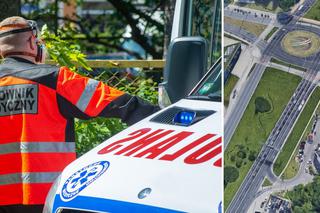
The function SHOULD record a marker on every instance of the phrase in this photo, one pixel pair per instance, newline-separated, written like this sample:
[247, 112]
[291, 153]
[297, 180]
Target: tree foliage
[262, 105]
[286, 4]
[63, 52]
[100, 35]
[9, 8]
[306, 198]
[252, 156]
[107, 32]
[241, 155]
[90, 133]
[231, 174]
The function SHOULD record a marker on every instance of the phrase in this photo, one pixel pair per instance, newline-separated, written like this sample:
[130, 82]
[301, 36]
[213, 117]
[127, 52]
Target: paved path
[228, 41]
[241, 70]
[287, 69]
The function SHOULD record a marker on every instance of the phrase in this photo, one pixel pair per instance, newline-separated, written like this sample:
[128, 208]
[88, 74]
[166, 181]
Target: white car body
[183, 173]
[152, 166]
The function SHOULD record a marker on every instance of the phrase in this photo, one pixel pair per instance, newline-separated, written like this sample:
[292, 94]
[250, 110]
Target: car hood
[151, 166]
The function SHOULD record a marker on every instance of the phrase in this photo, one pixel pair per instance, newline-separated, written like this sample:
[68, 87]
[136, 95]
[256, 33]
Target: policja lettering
[18, 99]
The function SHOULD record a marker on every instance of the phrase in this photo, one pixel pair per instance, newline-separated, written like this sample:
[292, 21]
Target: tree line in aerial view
[306, 198]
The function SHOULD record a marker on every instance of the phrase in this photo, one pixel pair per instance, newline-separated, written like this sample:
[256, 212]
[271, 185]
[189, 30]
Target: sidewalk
[241, 70]
[287, 69]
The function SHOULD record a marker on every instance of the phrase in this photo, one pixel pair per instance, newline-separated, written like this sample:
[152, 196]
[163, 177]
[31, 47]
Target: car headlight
[48, 206]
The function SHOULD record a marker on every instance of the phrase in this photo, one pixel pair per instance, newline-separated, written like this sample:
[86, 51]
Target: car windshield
[210, 86]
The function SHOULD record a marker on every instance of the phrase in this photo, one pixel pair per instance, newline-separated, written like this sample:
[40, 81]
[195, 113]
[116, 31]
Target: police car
[170, 161]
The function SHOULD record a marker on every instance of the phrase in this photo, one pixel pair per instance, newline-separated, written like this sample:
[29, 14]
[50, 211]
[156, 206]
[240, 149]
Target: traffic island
[301, 43]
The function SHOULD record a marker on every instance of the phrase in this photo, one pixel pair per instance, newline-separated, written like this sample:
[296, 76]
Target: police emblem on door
[79, 180]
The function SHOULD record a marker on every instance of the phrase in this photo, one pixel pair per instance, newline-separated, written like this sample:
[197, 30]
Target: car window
[210, 87]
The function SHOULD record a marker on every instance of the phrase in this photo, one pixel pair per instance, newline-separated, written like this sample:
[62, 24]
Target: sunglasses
[34, 28]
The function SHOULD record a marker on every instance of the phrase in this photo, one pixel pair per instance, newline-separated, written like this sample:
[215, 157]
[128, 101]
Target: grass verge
[253, 28]
[234, 38]
[314, 12]
[296, 132]
[228, 87]
[301, 43]
[266, 182]
[277, 61]
[293, 167]
[277, 87]
[271, 33]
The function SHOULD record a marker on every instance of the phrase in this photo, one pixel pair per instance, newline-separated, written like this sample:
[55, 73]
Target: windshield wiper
[210, 97]
[215, 97]
[199, 97]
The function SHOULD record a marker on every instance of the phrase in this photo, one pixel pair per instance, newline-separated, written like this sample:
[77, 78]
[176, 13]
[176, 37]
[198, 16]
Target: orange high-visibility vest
[38, 104]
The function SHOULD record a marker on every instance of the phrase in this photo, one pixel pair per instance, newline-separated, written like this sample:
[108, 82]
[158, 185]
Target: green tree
[168, 20]
[306, 198]
[9, 8]
[90, 133]
[231, 174]
[286, 4]
[252, 156]
[239, 162]
[262, 105]
[106, 32]
[241, 154]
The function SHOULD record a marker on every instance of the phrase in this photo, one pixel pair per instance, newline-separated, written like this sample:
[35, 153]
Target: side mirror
[186, 64]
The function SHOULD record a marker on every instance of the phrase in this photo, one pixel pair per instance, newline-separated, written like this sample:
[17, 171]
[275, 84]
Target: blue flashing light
[184, 118]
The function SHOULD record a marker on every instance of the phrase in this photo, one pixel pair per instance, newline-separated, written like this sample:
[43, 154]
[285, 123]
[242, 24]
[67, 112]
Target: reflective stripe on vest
[28, 177]
[35, 147]
[87, 94]
[33, 151]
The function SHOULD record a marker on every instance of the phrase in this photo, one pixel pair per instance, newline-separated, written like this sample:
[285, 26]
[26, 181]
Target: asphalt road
[306, 6]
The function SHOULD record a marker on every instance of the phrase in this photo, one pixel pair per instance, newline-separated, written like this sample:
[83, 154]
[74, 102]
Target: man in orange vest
[38, 104]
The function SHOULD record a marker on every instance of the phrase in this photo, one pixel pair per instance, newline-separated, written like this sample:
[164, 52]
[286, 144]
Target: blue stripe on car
[107, 205]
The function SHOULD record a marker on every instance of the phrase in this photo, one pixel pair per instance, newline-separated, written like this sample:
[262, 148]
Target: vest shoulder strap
[43, 74]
